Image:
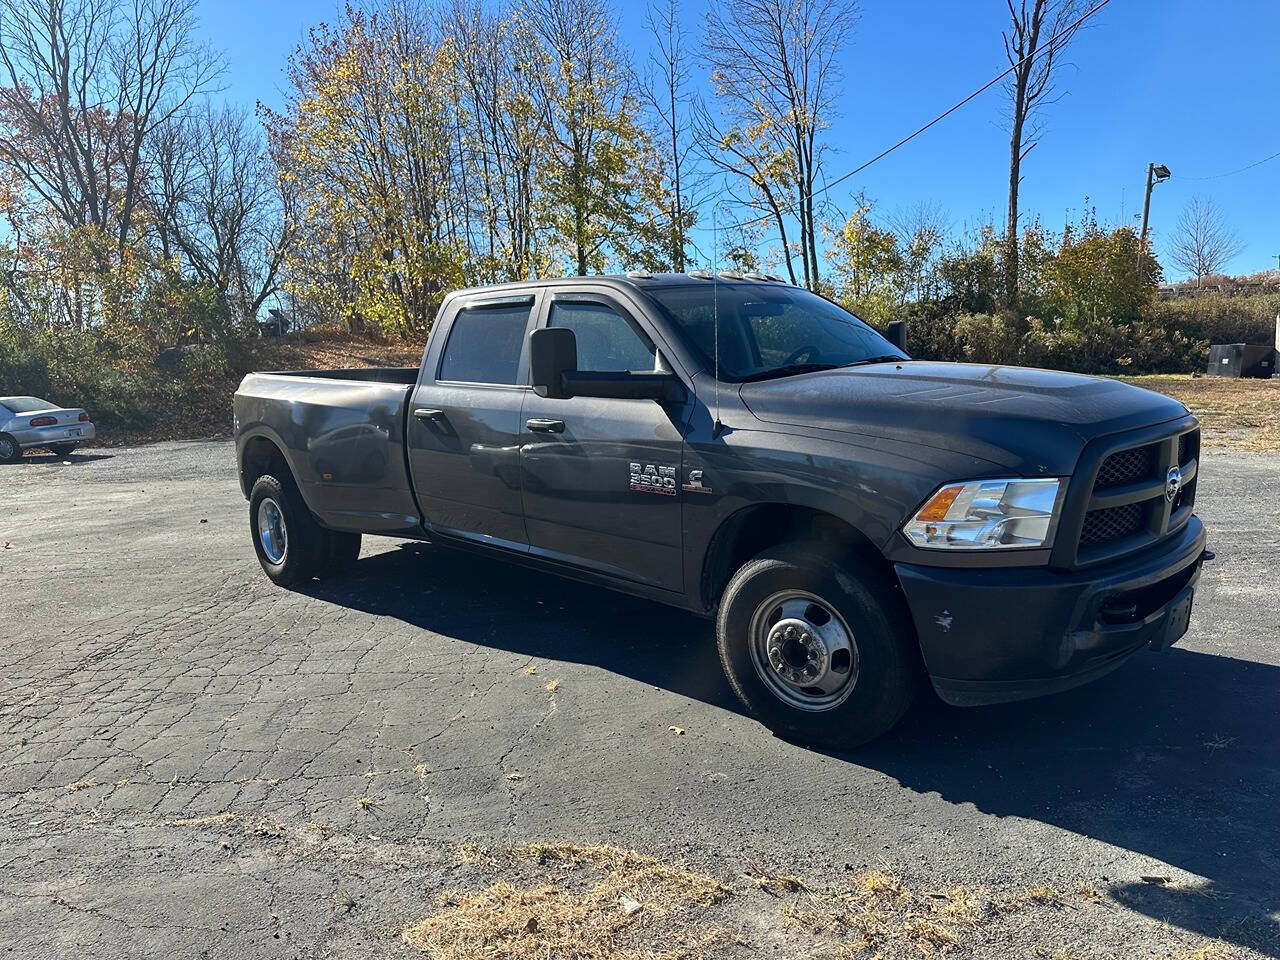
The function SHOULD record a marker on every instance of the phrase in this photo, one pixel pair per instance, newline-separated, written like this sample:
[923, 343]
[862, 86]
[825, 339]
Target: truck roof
[633, 278]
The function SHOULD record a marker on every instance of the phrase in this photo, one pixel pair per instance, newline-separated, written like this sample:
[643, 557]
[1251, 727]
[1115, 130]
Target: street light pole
[1156, 173]
[1146, 203]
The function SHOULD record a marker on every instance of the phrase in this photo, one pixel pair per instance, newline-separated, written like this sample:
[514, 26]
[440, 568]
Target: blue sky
[1190, 84]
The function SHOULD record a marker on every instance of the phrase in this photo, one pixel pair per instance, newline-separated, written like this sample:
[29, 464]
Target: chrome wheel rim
[7, 448]
[272, 533]
[804, 651]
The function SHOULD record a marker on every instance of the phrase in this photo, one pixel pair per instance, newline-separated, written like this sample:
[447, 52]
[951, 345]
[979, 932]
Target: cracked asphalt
[197, 763]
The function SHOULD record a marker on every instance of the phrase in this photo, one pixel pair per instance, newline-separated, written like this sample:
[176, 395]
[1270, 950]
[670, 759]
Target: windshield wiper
[883, 358]
[788, 370]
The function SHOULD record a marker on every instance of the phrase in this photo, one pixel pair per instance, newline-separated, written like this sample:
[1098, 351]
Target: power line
[1064, 32]
[1232, 173]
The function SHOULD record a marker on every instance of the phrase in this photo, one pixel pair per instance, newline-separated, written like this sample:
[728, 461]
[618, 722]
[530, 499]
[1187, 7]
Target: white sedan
[27, 422]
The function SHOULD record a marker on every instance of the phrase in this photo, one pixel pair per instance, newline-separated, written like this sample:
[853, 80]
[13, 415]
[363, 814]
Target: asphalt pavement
[195, 762]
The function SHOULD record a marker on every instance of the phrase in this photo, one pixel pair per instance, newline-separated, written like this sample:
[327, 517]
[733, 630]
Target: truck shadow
[1174, 756]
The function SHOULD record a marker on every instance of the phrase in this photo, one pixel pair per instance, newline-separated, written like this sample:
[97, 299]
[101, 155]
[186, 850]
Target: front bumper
[63, 433]
[990, 635]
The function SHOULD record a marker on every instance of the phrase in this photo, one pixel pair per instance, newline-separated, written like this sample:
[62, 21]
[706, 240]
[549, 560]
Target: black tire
[62, 449]
[304, 548]
[341, 552]
[888, 670]
[10, 452]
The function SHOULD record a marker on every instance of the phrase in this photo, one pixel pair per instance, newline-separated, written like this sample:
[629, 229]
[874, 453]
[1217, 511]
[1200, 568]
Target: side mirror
[553, 352]
[897, 334]
[553, 368]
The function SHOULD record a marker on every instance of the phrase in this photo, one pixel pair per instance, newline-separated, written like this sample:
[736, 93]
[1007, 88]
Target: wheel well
[262, 457]
[755, 529]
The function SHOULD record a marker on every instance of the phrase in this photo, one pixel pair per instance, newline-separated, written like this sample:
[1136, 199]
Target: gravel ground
[196, 763]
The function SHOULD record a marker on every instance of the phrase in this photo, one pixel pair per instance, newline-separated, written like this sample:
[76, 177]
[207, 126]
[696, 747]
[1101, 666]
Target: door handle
[545, 426]
[426, 415]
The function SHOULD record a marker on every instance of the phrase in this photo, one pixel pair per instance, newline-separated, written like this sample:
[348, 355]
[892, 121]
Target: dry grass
[1235, 414]
[78, 785]
[215, 820]
[592, 918]
[966, 904]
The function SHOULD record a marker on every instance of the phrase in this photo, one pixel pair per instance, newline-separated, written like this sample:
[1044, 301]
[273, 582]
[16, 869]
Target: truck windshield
[768, 330]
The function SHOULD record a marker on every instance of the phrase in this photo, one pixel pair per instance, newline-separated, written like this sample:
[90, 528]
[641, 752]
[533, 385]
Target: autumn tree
[601, 190]
[1203, 242]
[1096, 274]
[867, 266]
[367, 147]
[1033, 44]
[501, 132]
[776, 79]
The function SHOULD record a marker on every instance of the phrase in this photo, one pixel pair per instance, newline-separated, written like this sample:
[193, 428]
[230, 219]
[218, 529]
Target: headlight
[987, 514]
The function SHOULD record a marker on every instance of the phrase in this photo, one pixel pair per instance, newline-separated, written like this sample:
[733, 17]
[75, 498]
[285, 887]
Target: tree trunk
[1011, 227]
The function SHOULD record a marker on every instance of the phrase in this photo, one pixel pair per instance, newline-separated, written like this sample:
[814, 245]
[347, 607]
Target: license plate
[1177, 620]
[73, 432]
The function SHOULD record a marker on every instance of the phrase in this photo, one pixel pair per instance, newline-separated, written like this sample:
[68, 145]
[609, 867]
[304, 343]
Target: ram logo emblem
[653, 478]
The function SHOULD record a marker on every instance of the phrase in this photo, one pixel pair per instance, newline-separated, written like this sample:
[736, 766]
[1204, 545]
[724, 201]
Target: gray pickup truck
[859, 524]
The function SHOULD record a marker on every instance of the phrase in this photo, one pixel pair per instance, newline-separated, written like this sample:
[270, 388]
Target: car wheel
[341, 551]
[818, 650]
[62, 449]
[10, 452]
[288, 541]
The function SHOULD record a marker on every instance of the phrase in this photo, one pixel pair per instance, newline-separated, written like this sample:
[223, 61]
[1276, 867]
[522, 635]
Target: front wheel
[817, 650]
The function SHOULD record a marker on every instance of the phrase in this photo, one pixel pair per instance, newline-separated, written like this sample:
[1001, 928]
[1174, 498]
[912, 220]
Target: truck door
[601, 477]
[464, 427]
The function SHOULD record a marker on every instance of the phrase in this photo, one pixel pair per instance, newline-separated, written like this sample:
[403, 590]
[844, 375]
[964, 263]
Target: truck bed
[402, 375]
[344, 431]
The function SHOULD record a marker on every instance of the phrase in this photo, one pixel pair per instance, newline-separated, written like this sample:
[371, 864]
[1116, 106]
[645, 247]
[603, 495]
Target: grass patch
[1234, 414]
[592, 918]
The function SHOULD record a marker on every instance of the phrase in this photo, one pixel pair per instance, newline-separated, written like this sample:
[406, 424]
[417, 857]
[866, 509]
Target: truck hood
[1032, 421]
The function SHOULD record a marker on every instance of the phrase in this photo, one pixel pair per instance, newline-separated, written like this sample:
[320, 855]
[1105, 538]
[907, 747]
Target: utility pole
[1156, 173]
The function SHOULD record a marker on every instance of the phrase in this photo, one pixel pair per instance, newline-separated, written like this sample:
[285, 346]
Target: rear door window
[485, 343]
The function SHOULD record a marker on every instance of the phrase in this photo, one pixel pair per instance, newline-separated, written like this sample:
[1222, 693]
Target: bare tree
[1203, 242]
[1034, 56]
[668, 77]
[921, 230]
[776, 75]
[87, 83]
[217, 203]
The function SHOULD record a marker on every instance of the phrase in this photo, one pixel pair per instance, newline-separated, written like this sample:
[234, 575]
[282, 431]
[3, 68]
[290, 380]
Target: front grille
[1114, 523]
[1188, 447]
[1127, 466]
[1136, 476]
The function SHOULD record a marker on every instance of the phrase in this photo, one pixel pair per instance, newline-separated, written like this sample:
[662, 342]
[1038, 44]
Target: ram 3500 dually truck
[855, 521]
